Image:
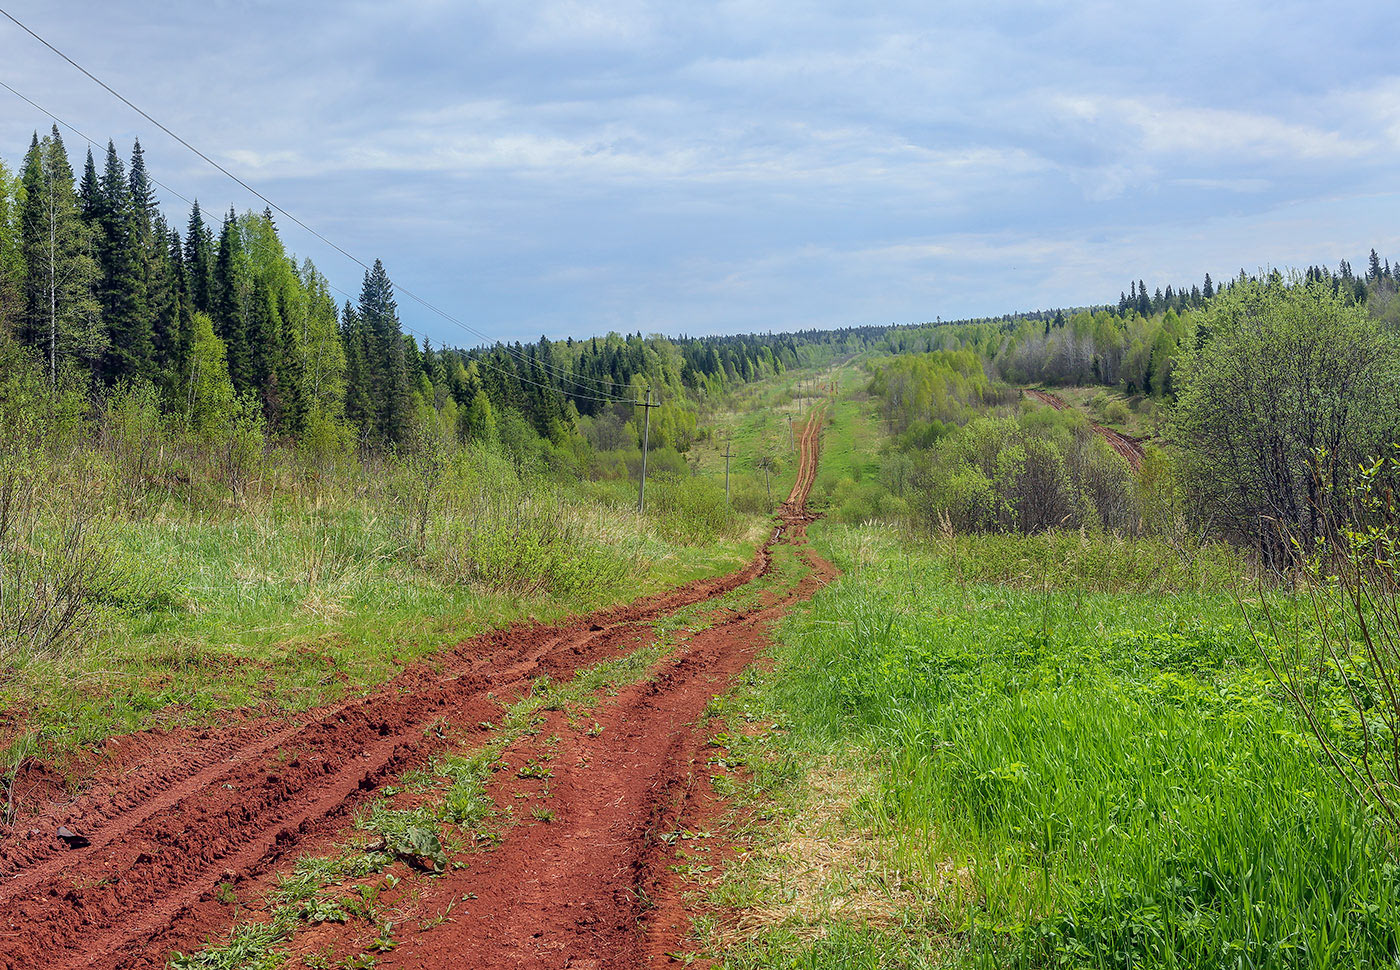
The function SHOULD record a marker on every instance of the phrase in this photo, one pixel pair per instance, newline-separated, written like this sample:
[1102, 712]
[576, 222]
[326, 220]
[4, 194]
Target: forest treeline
[1138, 344]
[229, 329]
[1277, 406]
[232, 339]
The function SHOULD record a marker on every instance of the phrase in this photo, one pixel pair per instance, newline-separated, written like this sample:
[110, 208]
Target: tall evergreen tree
[387, 369]
[359, 402]
[90, 198]
[168, 306]
[199, 261]
[232, 303]
[121, 290]
[61, 316]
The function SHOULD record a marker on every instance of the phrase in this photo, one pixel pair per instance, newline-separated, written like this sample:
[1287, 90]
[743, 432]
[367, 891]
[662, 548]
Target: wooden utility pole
[646, 443]
[726, 473]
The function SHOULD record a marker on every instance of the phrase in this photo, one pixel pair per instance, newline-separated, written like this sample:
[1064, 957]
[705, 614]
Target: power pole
[726, 473]
[646, 443]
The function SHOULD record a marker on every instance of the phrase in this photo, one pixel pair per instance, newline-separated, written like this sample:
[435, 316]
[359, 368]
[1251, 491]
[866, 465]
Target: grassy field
[758, 420]
[1072, 767]
[291, 596]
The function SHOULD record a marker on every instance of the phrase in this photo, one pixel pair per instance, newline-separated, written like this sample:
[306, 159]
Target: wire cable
[417, 333]
[548, 368]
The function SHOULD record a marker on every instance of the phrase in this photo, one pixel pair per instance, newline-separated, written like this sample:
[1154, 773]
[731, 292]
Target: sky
[566, 168]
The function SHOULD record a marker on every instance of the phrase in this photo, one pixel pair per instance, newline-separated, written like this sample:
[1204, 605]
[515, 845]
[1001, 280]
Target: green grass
[1095, 770]
[848, 485]
[755, 419]
[435, 817]
[295, 596]
[1134, 414]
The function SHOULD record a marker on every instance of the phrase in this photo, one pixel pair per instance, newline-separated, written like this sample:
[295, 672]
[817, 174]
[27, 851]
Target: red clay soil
[1126, 445]
[174, 815]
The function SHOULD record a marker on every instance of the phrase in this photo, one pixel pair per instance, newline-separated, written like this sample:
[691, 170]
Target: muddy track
[173, 815]
[808, 447]
[1126, 445]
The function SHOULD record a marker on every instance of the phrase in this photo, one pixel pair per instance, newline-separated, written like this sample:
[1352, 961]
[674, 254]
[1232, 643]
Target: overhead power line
[579, 381]
[183, 198]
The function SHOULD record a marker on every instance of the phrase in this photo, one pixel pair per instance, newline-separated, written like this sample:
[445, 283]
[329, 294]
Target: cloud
[573, 165]
[1162, 127]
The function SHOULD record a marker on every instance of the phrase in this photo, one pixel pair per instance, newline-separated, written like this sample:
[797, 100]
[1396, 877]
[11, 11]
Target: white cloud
[1165, 127]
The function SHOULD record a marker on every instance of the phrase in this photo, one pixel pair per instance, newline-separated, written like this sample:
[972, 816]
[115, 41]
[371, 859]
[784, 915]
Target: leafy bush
[688, 508]
[1044, 470]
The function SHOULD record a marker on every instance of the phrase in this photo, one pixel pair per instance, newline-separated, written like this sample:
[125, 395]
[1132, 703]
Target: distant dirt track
[173, 815]
[1126, 445]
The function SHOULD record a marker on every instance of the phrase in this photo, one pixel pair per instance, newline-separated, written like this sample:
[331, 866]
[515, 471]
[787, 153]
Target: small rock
[73, 839]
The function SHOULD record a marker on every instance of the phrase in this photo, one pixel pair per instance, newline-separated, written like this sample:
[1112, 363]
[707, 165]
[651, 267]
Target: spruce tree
[90, 198]
[387, 370]
[231, 299]
[61, 315]
[121, 289]
[143, 193]
[199, 261]
[359, 403]
[166, 301]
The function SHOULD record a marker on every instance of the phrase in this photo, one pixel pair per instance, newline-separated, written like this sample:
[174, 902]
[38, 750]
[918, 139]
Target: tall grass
[1098, 772]
[149, 576]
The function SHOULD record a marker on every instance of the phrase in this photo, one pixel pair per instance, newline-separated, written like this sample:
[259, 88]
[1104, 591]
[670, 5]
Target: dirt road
[176, 816]
[1126, 445]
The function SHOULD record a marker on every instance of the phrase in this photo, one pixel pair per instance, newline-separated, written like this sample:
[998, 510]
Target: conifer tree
[386, 367]
[121, 289]
[61, 316]
[167, 305]
[199, 261]
[231, 304]
[359, 406]
[90, 197]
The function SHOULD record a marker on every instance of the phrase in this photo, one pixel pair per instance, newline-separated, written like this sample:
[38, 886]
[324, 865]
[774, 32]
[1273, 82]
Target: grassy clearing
[313, 586]
[1086, 766]
[758, 420]
[849, 487]
[1133, 414]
